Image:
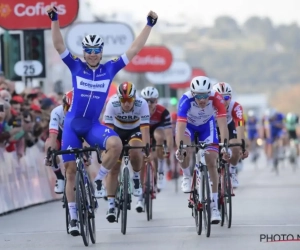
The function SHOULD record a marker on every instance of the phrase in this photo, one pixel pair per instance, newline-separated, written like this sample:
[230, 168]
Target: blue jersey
[251, 124]
[90, 87]
[277, 122]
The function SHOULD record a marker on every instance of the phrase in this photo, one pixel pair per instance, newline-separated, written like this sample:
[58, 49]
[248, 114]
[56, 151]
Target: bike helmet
[149, 92]
[200, 84]
[223, 88]
[92, 41]
[126, 90]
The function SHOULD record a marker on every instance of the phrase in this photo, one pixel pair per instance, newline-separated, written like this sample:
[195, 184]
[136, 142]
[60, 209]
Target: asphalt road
[264, 204]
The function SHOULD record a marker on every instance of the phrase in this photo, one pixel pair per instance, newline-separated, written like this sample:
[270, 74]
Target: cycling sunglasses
[201, 96]
[226, 97]
[91, 50]
[151, 100]
[128, 99]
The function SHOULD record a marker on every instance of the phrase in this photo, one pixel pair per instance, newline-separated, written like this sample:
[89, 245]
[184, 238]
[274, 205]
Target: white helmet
[223, 88]
[251, 113]
[149, 92]
[92, 41]
[200, 84]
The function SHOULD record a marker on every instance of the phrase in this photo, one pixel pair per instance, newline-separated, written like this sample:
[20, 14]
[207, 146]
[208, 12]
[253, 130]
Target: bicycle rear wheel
[124, 200]
[228, 198]
[206, 200]
[81, 202]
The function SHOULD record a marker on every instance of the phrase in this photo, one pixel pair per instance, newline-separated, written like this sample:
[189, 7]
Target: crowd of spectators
[24, 117]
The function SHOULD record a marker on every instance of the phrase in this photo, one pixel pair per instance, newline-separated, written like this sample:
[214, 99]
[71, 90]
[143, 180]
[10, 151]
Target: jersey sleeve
[145, 115]
[109, 116]
[115, 65]
[219, 105]
[73, 62]
[183, 108]
[237, 115]
[166, 119]
[54, 121]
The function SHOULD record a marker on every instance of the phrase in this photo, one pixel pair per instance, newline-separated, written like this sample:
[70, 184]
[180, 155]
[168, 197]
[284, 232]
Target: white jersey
[138, 116]
[57, 119]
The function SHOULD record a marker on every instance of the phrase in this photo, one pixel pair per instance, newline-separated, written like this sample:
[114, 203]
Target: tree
[225, 27]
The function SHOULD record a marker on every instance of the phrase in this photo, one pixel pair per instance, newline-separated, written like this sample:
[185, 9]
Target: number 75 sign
[28, 68]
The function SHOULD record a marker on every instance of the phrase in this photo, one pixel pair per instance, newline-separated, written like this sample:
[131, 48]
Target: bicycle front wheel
[206, 200]
[81, 202]
[125, 200]
[228, 198]
[92, 206]
[148, 198]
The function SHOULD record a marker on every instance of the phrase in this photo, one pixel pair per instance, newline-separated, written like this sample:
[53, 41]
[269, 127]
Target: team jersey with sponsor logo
[235, 113]
[190, 112]
[90, 87]
[160, 118]
[139, 115]
[57, 118]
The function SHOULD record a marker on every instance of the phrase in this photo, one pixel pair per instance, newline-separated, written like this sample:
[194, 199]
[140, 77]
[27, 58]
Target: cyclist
[196, 111]
[291, 124]
[91, 83]
[252, 133]
[55, 135]
[160, 130]
[235, 124]
[275, 133]
[128, 115]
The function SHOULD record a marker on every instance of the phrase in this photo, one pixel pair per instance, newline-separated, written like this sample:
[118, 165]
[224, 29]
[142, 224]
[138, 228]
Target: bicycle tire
[91, 218]
[228, 210]
[147, 193]
[222, 198]
[196, 211]
[206, 201]
[125, 200]
[67, 214]
[81, 202]
[176, 174]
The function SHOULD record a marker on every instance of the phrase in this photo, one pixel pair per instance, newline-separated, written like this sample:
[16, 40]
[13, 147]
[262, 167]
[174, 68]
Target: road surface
[264, 204]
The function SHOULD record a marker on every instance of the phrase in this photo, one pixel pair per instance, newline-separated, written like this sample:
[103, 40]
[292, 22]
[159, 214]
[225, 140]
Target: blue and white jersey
[90, 87]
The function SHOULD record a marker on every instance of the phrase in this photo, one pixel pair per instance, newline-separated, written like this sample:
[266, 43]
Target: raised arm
[57, 38]
[141, 40]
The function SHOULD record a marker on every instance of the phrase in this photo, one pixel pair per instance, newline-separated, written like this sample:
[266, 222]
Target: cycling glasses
[151, 100]
[201, 96]
[128, 99]
[226, 97]
[91, 50]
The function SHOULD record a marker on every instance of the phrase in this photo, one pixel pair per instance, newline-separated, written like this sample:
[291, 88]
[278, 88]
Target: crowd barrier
[27, 181]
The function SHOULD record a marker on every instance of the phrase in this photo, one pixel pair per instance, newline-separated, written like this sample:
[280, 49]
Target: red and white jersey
[190, 112]
[235, 113]
[57, 118]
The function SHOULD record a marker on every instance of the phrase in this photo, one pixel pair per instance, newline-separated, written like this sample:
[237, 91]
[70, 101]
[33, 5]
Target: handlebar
[54, 153]
[164, 146]
[146, 148]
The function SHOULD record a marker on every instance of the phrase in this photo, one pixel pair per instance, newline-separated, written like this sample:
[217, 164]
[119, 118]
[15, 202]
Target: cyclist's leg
[70, 140]
[185, 165]
[159, 138]
[107, 139]
[236, 154]
[208, 133]
[60, 179]
[136, 160]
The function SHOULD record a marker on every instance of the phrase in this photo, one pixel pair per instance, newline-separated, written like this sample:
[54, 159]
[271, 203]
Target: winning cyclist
[55, 135]
[160, 130]
[128, 115]
[235, 124]
[91, 83]
[196, 110]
